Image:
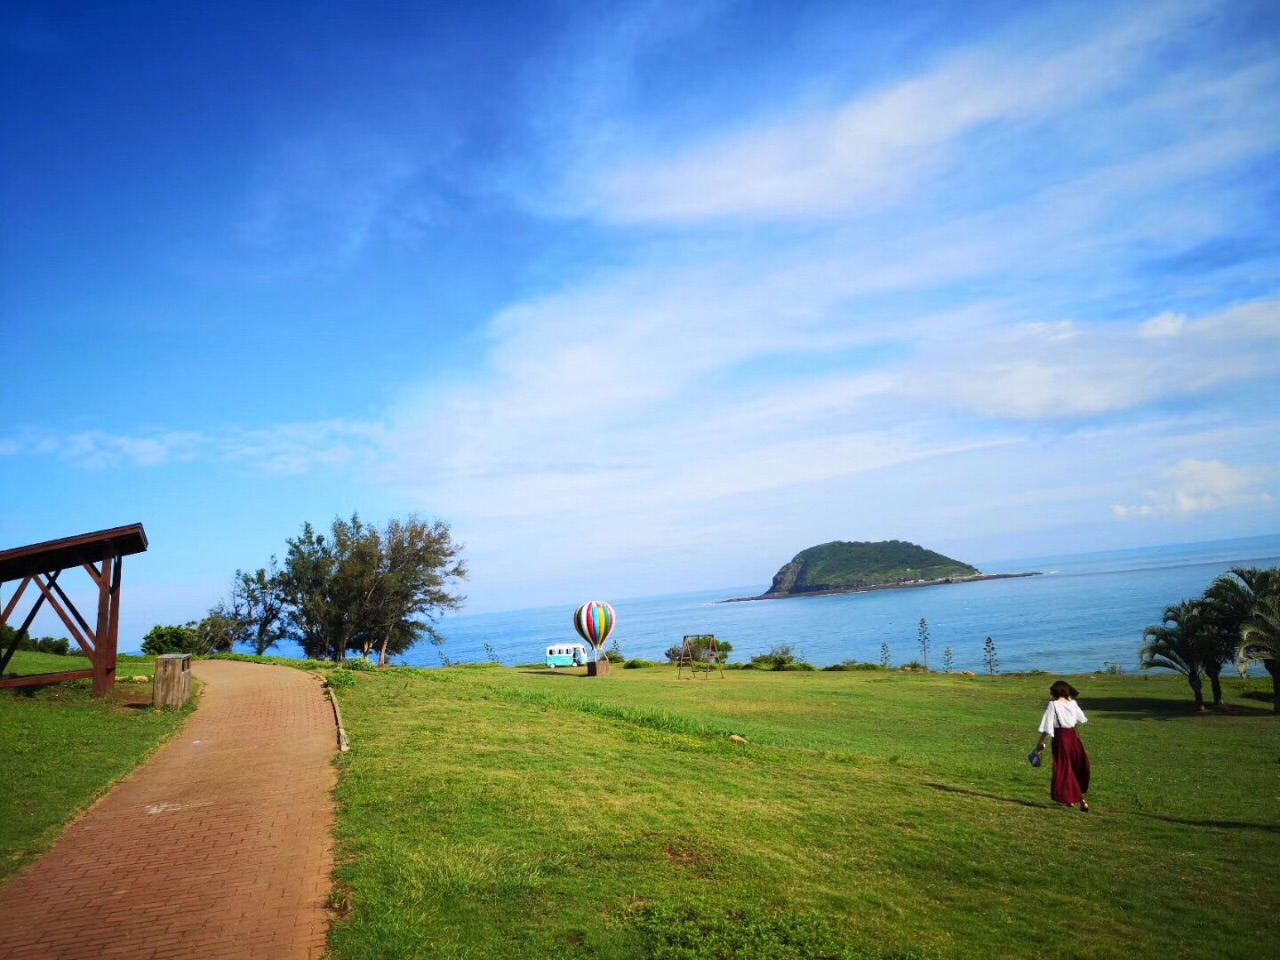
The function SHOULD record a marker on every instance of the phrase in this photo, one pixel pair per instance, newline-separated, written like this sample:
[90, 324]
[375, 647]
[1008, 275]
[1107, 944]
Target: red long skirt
[1070, 767]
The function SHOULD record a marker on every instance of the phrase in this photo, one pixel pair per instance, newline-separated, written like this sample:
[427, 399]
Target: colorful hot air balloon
[594, 622]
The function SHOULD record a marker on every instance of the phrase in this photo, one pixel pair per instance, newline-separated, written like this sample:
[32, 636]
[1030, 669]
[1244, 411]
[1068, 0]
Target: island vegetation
[843, 566]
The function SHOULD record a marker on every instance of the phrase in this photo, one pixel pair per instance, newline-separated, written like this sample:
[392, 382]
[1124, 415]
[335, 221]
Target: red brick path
[218, 847]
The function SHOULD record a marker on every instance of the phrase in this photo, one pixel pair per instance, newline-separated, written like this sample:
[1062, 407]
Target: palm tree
[1260, 639]
[1179, 644]
[1236, 599]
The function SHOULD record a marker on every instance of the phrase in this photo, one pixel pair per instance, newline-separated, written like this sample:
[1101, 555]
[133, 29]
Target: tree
[307, 570]
[365, 589]
[1236, 599]
[924, 642]
[989, 658]
[221, 629]
[1179, 643]
[257, 601]
[1260, 639]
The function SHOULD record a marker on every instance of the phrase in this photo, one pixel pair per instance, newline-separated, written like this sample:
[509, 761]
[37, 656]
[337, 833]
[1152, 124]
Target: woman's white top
[1061, 713]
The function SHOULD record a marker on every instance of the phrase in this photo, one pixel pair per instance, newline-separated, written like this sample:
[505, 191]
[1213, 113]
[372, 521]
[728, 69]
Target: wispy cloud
[318, 200]
[1204, 486]
[879, 146]
[283, 449]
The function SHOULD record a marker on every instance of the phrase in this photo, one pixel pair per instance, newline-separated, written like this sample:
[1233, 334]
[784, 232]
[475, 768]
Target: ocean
[1086, 611]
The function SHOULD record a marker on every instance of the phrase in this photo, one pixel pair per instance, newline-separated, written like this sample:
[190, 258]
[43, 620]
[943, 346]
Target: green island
[843, 566]
[489, 811]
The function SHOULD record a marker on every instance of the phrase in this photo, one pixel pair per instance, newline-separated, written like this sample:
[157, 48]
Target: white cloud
[876, 147]
[1203, 486]
[279, 449]
[1167, 324]
[1055, 371]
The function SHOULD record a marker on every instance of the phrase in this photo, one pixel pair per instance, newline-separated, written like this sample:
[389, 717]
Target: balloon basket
[597, 668]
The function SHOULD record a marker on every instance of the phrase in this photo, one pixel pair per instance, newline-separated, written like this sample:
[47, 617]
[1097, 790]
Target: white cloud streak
[872, 150]
[1203, 486]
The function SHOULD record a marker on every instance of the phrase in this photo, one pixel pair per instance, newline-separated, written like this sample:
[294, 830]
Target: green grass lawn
[490, 812]
[61, 747]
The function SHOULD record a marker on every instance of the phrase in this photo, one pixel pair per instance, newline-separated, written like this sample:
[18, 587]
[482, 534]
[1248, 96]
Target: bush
[339, 679]
[358, 664]
[852, 665]
[59, 646]
[638, 664]
[615, 656]
[796, 665]
[777, 658]
[184, 639]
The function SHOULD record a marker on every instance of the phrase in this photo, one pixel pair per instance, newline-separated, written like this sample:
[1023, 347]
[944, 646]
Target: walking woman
[1070, 762]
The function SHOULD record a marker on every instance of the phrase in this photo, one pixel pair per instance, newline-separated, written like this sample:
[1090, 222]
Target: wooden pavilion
[101, 555]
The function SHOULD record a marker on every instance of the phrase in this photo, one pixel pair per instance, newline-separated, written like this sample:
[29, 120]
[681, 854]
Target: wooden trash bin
[173, 679]
[598, 668]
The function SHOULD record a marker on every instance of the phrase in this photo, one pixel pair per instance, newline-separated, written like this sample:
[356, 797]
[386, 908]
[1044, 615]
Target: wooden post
[102, 681]
[172, 684]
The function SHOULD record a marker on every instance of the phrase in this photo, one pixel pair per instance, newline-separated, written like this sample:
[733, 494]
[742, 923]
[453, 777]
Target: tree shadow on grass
[572, 673]
[979, 795]
[1212, 824]
[1181, 821]
[1143, 708]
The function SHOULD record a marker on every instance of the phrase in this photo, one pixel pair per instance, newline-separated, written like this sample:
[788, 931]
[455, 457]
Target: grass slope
[61, 747]
[489, 812]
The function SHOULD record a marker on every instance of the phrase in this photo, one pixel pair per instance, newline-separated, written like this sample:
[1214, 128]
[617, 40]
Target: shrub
[358, 664]
[796, 665]
[615, 656]
[339, 679]
[638, 664]
[175, 639]
[779, 656]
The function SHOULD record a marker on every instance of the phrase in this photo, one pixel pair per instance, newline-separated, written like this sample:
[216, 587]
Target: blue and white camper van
[566, 655]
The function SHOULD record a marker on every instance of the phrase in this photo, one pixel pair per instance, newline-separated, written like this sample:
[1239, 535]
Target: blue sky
[638, 297]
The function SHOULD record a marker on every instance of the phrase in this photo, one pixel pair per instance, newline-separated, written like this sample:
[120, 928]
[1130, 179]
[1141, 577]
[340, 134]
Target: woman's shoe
[1084, 806]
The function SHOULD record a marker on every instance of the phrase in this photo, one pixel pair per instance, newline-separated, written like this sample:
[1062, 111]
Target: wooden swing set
[706, 643]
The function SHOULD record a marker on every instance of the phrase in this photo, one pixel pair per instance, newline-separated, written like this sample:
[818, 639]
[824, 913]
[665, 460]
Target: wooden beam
[74, 612]
[104, 664]
[13, 601]
[7, 655]
[44, 679]
[86, 645]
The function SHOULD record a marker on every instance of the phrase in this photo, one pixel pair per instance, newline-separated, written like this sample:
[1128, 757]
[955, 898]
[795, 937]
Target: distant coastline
[871, 588]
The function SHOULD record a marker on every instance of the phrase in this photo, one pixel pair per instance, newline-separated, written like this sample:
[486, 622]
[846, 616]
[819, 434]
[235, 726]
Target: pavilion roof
[71, 551]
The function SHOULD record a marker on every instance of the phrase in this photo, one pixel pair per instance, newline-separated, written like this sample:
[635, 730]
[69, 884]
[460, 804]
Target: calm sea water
[1086, 610]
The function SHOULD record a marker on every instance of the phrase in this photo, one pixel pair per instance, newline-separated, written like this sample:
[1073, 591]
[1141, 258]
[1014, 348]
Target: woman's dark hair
[1063, 689]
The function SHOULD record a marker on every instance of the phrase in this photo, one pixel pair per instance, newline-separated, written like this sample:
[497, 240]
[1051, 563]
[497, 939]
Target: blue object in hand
[1034, 758]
